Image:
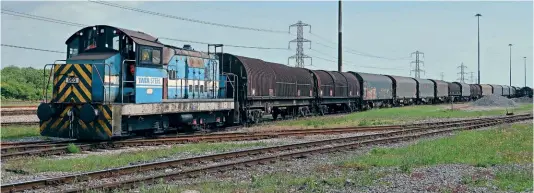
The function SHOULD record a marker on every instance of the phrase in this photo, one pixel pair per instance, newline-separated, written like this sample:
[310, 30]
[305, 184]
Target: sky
[446, 32]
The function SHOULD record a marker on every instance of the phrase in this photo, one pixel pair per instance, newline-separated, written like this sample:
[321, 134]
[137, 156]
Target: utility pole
[510, 64]
[478, 15]
[471, 78]
[418, 63]
[441, 74]
[299, 56]
[462, 73]
[525, 58]
[339, 40]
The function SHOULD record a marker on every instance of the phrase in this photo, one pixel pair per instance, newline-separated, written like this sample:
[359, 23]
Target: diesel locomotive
[117, 82]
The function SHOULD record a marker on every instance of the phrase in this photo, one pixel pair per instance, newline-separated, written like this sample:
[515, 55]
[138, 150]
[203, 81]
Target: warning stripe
[75, 92]
[59, 126]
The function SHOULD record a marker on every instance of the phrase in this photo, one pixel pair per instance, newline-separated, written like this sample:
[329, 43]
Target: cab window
[149, 55]
[73, 47]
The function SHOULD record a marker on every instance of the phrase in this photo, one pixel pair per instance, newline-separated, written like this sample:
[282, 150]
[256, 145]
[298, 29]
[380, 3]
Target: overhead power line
[63, 22]
[348, 62]
[184, 18]
[226, 45]
[353, 51]
[30, 16]
[30, 48]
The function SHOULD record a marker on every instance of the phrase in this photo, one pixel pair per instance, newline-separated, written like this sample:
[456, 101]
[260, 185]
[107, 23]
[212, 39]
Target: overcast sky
[445, 31]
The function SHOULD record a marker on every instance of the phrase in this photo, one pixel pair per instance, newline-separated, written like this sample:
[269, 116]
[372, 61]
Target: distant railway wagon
[425, 90]
[404, 90]
[525, 92]
[505, 90]
[497, 89]
[513, 91]
[460, 91]
[486, 89]
[441, 89]
[476, 91]
[336, 91]
[116, 83]
[376, 90]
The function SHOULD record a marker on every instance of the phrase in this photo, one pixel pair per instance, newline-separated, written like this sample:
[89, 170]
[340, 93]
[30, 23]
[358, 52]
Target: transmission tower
[462, 73]
[471, 78]
[299, 56]
[441, 74]
[418, 63]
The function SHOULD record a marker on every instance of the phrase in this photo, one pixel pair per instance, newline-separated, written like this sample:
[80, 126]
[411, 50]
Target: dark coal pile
[494, 101]
[523, 100]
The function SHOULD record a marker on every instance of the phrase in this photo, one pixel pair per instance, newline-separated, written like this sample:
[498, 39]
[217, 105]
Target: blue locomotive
[117, 82]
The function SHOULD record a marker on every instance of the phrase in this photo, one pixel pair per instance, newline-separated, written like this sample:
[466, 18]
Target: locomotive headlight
[45, 111]
[88, 113]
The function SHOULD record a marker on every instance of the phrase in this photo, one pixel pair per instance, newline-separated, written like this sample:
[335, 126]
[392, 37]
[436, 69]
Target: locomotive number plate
[73, 80]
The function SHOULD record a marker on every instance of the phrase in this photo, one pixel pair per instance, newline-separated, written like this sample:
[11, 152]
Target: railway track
[191, 167]
[19, 112]
[20, 124]
[58, 148]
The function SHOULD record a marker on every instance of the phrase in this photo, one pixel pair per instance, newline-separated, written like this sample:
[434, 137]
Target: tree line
[23, 83]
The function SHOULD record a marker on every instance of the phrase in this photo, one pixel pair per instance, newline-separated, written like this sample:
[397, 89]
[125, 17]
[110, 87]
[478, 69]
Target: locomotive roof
[145, 39]
[137, 36]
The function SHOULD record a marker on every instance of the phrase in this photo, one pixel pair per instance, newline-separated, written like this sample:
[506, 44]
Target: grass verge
[479, 148]
[98, 162]
[12, 132]
[396, 116]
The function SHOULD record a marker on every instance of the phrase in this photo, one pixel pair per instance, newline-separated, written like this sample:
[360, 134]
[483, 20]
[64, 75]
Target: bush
[23, 83]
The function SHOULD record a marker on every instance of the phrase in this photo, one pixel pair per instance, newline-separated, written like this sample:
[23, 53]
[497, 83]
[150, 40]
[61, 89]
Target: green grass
[478, 148]
[513, 180]
[397, 115]
[11, 132]
[98, 162]
[276, 182]
[8, 103]
[73, 148]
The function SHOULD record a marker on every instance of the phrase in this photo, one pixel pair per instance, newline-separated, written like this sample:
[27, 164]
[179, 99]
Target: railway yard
[383, 150]
[129, 97]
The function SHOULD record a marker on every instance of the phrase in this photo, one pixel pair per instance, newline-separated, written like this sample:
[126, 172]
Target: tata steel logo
[149, 80]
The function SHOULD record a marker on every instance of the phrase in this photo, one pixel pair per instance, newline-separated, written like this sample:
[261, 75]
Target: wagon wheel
[275, 116]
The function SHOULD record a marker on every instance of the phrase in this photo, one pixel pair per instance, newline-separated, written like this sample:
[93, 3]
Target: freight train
[117, 82]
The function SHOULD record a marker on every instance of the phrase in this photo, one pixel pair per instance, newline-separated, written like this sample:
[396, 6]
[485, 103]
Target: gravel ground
[494, 101]
[523, 100]
[423, 179]
[19, 118]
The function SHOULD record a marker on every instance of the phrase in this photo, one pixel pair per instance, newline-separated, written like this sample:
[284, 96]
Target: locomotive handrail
[45, 87]
[123, 81]
[103, 81]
